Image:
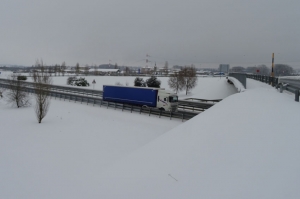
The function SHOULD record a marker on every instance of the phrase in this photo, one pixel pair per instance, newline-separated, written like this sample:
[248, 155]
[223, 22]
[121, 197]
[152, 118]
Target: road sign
[94, 82]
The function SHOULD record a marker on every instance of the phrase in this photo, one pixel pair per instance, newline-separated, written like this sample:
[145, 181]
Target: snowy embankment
[246, 146]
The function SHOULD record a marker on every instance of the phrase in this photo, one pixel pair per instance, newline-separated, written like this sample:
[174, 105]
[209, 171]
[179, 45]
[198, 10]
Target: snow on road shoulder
[244, 147]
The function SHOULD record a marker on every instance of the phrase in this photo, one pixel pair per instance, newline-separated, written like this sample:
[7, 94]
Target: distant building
[224, 68]
[146, 70]
[176, 67]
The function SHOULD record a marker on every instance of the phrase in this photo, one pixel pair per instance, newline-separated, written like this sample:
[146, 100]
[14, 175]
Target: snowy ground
[246, 146]
[207, 87]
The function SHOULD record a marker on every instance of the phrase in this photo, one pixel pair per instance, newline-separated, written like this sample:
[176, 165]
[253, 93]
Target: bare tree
[50, 70]
[96, 71]
[63, 68]
[17, 92]
[55, 69]
[259, 70]
[237, 69]
[86, 70]
[39, 68]
[166, 68]
[283, 70]
[58, 70]
[189, 78]
[127, 71]
[42, 89]
[176, 81]
[77, 69]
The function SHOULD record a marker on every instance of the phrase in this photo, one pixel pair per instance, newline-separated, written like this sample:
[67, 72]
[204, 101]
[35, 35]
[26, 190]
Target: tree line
[185, 79]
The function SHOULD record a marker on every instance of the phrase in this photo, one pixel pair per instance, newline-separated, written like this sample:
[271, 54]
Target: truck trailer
[141, 96]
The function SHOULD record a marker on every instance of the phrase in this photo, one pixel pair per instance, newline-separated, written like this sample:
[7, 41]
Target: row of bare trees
[185, 79]
[18, 94]
[51, 70]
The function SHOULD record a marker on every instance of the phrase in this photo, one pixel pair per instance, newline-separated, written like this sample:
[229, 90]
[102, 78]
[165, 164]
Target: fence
[291, 85]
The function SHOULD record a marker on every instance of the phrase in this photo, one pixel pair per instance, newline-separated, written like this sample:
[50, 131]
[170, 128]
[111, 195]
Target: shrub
[71, 80]
[81, 82]
[153, 82]
[77, 82]
[22, 77]
[139, 82]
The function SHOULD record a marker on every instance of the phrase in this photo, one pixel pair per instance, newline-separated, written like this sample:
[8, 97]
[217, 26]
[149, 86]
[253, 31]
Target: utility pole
[272, 74]
[147, 69]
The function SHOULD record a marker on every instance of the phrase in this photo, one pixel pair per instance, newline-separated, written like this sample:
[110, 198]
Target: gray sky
[200, 32]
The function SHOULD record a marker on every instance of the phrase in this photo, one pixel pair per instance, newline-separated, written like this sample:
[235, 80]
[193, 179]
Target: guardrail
[273, 81]
[291, 85]
[96, 100]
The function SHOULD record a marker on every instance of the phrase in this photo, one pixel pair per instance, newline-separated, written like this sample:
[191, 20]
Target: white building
[224, 68]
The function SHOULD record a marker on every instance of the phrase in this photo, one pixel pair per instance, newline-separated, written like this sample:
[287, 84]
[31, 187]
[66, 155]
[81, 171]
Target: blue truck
[141, 96]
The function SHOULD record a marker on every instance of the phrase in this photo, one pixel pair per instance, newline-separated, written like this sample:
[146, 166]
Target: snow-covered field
[246, 146]
[207, 87]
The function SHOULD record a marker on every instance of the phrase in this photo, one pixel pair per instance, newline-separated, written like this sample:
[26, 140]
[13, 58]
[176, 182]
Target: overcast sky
[200, 32]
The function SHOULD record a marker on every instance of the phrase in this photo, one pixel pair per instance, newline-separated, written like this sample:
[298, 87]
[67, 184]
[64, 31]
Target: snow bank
[237, 84]
[246, 146]
[243, 147]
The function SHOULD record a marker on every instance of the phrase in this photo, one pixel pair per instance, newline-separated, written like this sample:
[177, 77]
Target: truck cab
[167, 101]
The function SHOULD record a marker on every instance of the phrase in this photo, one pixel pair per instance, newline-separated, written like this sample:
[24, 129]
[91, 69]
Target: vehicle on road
[141, 96]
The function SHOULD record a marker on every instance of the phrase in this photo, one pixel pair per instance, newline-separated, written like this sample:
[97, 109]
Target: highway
[186, 108]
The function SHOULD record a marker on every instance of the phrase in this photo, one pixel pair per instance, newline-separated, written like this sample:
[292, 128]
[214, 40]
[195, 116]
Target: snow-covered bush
[77, 82]
[153, 82]
[70, 80]
[139, 82]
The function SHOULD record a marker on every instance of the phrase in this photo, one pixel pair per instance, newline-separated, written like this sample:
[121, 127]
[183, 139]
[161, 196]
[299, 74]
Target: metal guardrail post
[297, 95]
[281, 88]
